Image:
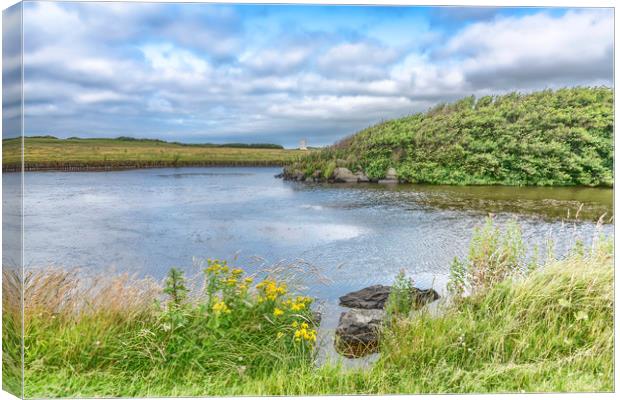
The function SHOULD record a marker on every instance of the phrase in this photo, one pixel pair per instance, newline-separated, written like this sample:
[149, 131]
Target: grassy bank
[74, 154]
[525, 325]
[549, 138]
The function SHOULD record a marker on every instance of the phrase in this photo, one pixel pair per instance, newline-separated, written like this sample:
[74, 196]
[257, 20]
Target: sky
[277, 74]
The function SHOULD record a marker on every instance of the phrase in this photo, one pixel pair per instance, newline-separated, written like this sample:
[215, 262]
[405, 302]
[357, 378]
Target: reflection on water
[549, 203]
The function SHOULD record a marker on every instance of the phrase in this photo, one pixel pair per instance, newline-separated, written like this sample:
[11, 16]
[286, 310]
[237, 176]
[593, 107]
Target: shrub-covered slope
[562, 137]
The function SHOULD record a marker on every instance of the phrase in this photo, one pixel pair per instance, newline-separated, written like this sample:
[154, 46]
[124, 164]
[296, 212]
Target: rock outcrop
[358, 329]
[370, 298]
[374, 297]
[358, 332]
[342, 174]
[390, 176]
[361, 177]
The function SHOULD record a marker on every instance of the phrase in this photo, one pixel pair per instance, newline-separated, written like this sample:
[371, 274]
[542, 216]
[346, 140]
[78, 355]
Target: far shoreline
[81, 167]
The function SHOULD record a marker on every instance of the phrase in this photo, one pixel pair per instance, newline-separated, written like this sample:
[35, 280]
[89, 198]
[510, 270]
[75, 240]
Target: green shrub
[545, 138]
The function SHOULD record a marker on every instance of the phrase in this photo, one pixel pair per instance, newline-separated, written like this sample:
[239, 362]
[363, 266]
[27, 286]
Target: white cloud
[188, 71]
[170, 62]
[539, 47]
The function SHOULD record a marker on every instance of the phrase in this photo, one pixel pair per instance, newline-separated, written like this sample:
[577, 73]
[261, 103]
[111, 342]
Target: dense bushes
[562, 137]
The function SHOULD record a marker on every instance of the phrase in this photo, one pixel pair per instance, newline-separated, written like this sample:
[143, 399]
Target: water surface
[146, 221]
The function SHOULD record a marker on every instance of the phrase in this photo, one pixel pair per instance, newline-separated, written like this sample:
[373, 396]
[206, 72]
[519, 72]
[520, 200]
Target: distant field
[51, 153]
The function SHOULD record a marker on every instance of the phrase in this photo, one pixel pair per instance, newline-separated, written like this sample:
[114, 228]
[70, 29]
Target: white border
[480, 3]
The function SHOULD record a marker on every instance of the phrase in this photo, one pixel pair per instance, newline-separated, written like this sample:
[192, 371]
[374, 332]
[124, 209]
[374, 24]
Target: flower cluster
[228, 290]
[303, 332]
[216, 267]
[270, 290]
[220, 307]
[299, 303]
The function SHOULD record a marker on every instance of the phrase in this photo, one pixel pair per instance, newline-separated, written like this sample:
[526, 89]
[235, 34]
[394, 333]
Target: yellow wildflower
[304, 333]
[277, 312]
[271, 290]
[220, 307]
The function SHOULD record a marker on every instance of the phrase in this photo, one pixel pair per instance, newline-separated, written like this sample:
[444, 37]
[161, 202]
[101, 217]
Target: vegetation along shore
[545, 138]
[75, 154]
[512, 323]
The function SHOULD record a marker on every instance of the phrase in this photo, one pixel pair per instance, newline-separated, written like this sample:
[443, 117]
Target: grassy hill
[48, 152]
[562, 137]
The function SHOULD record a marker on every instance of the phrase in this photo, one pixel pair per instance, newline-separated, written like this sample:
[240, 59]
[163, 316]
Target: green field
[52, 153]
[529, 324]
[546, 138]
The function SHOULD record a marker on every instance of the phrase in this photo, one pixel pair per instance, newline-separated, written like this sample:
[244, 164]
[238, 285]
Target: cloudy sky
[253, 73]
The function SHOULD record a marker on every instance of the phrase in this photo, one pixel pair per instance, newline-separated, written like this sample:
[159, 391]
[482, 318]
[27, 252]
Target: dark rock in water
[344, 175]
[358, 331]
[374, 297]
[289, 174]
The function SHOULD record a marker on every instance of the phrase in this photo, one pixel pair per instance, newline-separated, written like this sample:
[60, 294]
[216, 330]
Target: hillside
[81, 154]
[546, 138]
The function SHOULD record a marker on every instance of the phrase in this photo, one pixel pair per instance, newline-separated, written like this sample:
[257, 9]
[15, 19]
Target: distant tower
[303, 145]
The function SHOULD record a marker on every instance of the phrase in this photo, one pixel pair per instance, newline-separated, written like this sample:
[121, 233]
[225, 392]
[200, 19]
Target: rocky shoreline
[339, 175]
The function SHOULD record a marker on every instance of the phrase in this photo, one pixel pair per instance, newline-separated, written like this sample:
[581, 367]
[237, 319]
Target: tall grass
[516, 327]
[122, 329]
[521, 328]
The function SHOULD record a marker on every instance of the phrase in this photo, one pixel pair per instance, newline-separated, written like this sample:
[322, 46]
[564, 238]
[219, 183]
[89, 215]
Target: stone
[374, 297]
[358, 331]
[390, 177]
[342, 174]
[361, 177]
[391, 174]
